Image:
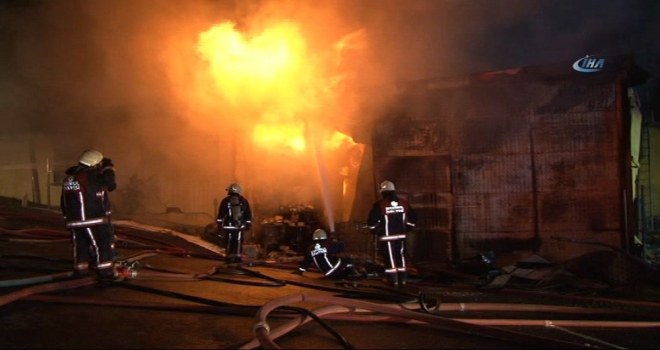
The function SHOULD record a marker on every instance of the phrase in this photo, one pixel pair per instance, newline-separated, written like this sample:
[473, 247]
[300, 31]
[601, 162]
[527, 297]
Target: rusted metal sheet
[578, 96]
[491, 174]
[529, 151]
[471, 213]
[435, 210]
[575, 132]
[470, 244]
[559, 251]
[499, 213]
[491, 134]
[429, 245]
[574, 211]
[579, 171]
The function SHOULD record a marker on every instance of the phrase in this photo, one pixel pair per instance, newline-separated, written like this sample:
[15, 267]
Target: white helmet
[90, 158]
[319, 234]
[234, 188]
[387, 186]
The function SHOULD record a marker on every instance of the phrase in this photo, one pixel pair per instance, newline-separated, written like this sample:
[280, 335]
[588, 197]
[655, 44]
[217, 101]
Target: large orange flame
[273, 73]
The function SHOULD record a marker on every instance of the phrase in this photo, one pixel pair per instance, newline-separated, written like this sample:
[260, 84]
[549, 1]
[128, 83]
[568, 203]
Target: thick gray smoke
[124, 76]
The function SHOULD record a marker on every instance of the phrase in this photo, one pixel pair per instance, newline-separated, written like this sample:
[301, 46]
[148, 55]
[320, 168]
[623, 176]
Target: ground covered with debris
[181, 295]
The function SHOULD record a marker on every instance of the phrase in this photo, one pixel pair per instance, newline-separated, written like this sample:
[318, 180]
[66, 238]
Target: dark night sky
[473, 36]
[563, 29]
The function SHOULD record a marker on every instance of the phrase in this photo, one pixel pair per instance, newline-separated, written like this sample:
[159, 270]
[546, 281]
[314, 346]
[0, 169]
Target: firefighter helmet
[387, 186]
[319, 234]
[234, 188]
[90, 158]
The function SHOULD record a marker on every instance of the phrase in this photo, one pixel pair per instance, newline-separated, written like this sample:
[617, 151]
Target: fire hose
[43, 288]
[262, 330]
[349, 310]
[335, 312]
[341, 312]
[346, 310]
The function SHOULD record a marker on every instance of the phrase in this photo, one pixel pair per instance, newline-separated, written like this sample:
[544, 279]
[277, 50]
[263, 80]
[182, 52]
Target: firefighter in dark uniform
[234, 218]
[323, 254]
[390, 219]
[85, 205]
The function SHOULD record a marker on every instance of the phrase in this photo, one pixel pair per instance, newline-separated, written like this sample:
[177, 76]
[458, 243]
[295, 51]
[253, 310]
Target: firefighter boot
[403, 277]
[393, 279]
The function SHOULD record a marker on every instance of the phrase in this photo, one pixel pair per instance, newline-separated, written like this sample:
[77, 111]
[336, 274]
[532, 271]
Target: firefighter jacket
[319, 255]
[234, 213]
[84, 200]
[391, 218]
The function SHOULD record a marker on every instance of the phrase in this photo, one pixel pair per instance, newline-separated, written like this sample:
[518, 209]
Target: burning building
[520, 161]
[252, 99]
[188, 97]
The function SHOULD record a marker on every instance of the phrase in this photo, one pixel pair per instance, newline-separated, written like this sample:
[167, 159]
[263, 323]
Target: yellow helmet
[319, 234]
[387, 186]
[90, 158]
[234, 188]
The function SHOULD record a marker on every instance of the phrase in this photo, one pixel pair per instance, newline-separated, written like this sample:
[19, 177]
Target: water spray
[323, 176]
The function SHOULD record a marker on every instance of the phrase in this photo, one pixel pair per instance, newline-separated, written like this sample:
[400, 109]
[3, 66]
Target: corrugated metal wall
[505, 164]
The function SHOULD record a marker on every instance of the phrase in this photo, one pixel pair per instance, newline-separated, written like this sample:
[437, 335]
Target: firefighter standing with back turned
[85, 205]
[390, 219]
[234, 218]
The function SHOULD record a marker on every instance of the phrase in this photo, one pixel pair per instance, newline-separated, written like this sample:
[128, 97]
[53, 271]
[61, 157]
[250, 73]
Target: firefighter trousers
[393, 253]
[93, 248]
[234, 246]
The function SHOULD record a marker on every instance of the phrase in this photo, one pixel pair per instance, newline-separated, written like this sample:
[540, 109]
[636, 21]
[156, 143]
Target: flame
[337, 139]
[266, 67]
[274, 75]
[271, 136]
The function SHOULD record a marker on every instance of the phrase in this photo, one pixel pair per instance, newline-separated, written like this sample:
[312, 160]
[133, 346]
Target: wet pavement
[181, 295]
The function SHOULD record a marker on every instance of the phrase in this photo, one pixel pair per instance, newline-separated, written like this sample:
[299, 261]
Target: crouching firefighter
[323, 254]
[234, 218]
[390, 219]
[85, 205]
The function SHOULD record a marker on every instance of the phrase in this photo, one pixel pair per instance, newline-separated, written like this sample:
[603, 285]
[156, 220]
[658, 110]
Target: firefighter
[234, 218]
[323, 254]
[85, 206]
[390, 219]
